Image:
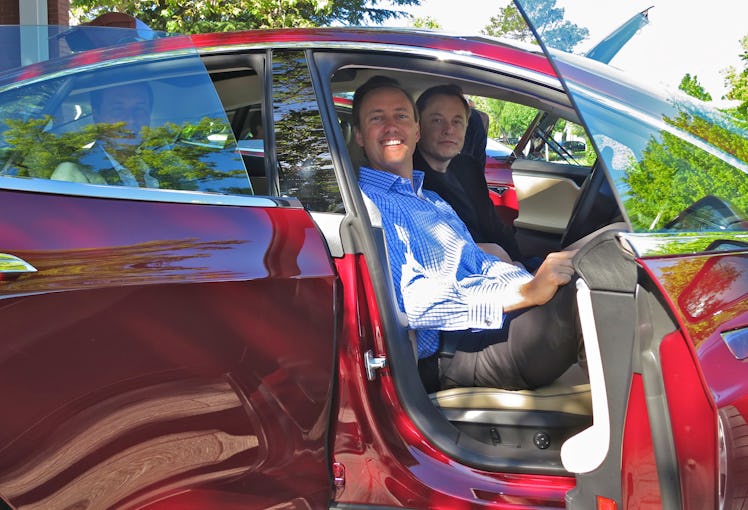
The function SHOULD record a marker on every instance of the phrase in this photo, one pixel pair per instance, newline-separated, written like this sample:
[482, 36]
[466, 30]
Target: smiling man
[455, 295]
[123, 112]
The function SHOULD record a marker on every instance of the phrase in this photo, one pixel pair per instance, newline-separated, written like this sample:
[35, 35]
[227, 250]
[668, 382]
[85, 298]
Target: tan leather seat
[539, 421]
[557, 397]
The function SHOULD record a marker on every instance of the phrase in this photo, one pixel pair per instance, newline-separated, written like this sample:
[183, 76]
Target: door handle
[737, 342]
[12, 267]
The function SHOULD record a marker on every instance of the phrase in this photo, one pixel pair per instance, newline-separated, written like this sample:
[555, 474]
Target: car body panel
[158, 339]
[639, 478]
[711, 296]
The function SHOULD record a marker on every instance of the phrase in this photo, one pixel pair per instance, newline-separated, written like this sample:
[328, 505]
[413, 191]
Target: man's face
[130, 104]
[388, 131]
[443, 126]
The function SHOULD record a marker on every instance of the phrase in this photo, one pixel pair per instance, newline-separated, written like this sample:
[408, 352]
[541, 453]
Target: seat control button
[542, 440]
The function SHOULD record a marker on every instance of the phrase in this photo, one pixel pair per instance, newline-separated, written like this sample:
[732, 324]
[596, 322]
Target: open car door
[166, 342]
[667, 371]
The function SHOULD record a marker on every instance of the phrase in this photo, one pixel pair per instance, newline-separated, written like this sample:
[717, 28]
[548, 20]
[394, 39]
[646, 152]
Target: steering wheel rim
[579, 222]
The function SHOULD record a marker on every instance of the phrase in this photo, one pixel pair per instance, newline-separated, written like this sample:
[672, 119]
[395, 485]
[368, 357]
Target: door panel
[164, 351]
[710, 295]
[547, 194]
[545, 203]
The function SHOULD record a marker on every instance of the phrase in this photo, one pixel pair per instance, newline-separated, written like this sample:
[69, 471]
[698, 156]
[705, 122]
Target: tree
[508, 120]
[673, 174]
[196, 16]
[737, 80]
[548, 20]
[691, 86]
[427, 22]
[509, 23]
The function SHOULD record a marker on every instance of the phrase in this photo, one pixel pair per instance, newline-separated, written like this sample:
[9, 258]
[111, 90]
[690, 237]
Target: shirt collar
[387, 180]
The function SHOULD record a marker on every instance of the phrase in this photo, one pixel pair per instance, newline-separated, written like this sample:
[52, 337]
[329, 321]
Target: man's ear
[359, 137]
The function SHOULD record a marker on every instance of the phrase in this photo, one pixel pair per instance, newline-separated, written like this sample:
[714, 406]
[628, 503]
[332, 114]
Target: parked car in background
[574, 146]
[497, 150]
[225, 335]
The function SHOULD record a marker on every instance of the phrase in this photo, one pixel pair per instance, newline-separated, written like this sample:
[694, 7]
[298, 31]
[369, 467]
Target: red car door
[165, 345]
[674, 389]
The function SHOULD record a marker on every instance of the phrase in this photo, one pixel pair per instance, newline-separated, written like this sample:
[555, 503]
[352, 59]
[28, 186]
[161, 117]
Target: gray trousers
[533, 349]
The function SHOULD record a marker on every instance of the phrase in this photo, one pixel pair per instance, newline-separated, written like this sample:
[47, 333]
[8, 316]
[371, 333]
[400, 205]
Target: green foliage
[737, 80]
[691, 86]
[507, 119]
[509, 23]
[37, 152]
[179, 156]
[427, 22]
[673, 174]
[196, 16]
[548, 20]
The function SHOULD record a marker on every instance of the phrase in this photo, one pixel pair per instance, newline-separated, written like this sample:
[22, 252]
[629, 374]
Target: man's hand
[555, 271]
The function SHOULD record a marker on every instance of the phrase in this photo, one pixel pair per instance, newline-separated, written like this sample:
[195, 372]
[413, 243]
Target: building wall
[58, 12]
[9, 14]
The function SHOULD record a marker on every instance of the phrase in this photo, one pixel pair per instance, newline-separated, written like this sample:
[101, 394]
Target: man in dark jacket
[458, 178]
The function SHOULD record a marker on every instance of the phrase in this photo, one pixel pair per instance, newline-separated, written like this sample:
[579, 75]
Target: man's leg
[543, 342]
[539, 345]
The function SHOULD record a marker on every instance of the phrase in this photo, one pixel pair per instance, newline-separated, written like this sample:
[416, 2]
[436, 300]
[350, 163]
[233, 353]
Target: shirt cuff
[485, 310]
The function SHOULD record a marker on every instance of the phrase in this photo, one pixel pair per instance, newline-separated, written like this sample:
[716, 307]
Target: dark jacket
[464, 187]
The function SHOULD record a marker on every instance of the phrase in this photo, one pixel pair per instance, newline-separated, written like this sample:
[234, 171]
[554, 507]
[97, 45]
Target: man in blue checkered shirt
[455, 295]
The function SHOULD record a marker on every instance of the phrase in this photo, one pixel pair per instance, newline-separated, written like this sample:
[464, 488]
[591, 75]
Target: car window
[545, 137]
[679, 164]
[305, 168]
[121, 123]
[240, 88]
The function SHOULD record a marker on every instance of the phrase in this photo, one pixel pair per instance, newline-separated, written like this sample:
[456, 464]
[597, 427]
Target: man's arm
[556, 270]
[72, 172]
[496, 250]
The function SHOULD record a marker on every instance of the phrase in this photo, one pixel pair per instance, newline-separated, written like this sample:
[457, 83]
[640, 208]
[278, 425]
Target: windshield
[677, 157]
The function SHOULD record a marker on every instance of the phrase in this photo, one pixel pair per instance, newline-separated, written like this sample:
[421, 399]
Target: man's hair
[376, 83]
[449, 89]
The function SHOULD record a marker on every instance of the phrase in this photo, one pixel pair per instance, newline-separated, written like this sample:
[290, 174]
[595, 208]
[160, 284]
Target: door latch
[373, 363]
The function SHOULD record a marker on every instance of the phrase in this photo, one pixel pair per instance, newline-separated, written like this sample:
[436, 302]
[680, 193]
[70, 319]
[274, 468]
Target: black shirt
[463, 186]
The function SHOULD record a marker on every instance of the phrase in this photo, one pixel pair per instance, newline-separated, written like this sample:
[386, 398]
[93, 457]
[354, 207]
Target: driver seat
[538, 421]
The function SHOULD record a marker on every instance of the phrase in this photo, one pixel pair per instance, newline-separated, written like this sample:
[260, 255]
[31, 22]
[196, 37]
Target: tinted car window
[304, 160]
[123, 124]
[679, 164]
[241, 92]
[672, 163]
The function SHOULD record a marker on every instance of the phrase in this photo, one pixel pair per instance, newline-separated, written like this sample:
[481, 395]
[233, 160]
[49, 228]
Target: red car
[210, 323]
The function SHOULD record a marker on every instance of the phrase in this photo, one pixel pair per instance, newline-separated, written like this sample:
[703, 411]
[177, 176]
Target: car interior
[559, 204]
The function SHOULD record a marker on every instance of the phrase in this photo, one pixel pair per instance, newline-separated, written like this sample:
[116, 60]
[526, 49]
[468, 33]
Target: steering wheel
[596, 207]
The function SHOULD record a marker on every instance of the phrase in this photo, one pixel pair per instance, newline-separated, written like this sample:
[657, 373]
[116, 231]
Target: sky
[674, 43]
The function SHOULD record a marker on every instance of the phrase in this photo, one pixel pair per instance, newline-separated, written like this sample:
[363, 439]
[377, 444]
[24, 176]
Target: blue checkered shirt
[443, 280]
